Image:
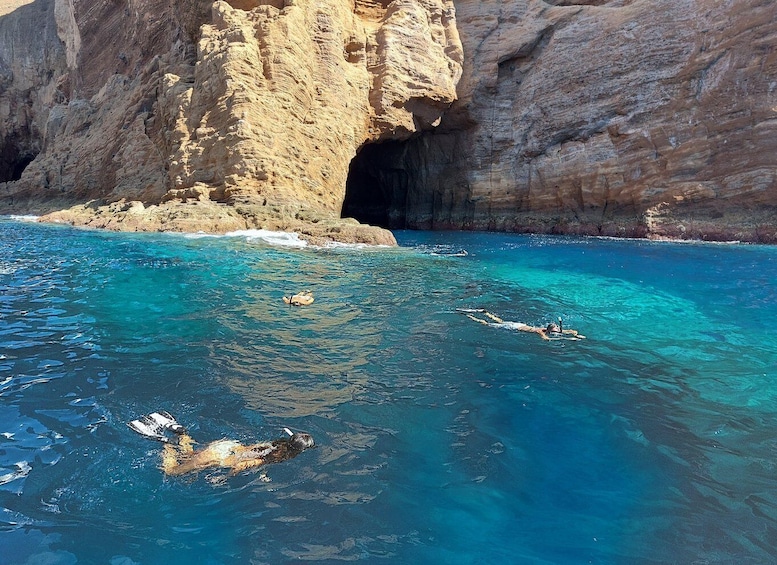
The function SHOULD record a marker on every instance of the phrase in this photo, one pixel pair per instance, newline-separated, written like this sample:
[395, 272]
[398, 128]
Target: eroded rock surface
[223, 115]
[619, 117]
[626, 118]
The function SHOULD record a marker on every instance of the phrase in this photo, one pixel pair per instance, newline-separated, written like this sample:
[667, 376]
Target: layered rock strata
[216, 116]
[621, 118]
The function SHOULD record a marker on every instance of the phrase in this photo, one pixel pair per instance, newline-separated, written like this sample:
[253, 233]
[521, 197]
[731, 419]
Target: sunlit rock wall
[225, 115]
[630, 117]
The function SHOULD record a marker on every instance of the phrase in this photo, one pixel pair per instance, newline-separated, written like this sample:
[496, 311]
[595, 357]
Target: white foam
[24, 218]
[23, 470]
[280, 238]
[662, 239]
[195, 235]
[360, 246]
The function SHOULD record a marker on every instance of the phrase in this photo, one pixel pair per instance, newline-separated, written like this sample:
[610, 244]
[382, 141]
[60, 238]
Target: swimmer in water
[179, 456]
[303, 298]
[549, 332]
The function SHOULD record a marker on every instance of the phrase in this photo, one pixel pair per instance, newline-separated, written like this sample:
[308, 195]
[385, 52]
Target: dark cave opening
[14, 158]
[377, 187]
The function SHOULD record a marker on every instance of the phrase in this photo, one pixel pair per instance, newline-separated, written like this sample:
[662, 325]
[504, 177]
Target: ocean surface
[439, 439]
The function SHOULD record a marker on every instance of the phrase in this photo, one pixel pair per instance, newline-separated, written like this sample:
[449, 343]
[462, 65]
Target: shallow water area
[439, 439]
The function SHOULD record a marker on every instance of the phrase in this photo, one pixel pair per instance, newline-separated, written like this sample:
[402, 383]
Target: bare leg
[172, 454]
[185, 443]
[169, 459]
[478, 320]
[199, 461]
[494, 317]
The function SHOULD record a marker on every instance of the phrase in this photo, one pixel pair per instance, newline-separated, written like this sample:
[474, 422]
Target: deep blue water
[440, 440]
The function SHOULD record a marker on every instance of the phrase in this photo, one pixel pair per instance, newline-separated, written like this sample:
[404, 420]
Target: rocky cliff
[199, 115]
[622, 117]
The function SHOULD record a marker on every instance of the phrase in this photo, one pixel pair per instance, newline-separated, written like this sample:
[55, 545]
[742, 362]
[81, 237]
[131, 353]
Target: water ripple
[438, 440]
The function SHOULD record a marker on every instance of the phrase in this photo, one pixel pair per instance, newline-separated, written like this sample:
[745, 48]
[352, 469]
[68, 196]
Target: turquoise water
[440, 440]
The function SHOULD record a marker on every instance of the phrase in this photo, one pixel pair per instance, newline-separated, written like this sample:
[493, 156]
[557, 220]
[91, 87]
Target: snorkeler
[300, 299]
[549, 332]
[179, 456]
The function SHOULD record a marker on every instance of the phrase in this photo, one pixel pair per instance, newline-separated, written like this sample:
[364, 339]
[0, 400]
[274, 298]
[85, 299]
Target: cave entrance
[14, 158]
[377, 187]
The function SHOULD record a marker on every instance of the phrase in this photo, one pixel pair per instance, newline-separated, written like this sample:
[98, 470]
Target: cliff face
[221, 115]
[622, 117]
[31, 55]
[627, 118]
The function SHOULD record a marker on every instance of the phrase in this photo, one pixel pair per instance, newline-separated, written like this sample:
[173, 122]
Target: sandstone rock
[613, 117]
[8, 6]
[225, 104]
[587, 117]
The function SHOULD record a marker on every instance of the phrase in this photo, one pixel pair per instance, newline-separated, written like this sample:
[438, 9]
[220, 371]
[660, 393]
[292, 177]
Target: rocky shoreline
[206, 217]
[593, 118]
[758, 226]
[661, 222]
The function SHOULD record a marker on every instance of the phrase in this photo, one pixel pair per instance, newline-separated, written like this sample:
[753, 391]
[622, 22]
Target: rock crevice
[611, 118]
[620, 117]
[245, 113]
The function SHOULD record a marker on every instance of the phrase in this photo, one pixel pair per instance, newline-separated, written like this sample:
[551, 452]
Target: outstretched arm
[574, 333]
[541, 331]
